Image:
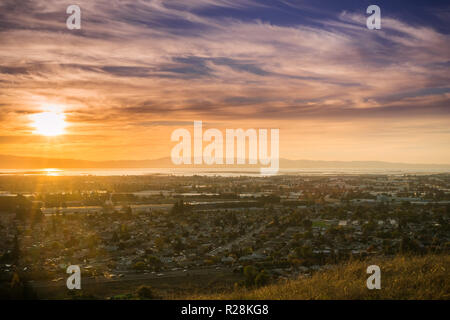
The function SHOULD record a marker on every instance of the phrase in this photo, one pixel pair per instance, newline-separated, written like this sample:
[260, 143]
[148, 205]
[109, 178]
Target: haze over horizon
[136, 71]
[17, 162]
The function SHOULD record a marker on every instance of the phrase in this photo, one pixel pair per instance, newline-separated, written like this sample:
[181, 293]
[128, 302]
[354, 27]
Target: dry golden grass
[403, 277]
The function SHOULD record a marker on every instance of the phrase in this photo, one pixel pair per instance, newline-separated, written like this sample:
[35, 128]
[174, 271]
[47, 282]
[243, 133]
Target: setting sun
[49, 123]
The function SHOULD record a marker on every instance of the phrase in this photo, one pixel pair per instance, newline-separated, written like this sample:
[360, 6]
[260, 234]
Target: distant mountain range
[17, 162]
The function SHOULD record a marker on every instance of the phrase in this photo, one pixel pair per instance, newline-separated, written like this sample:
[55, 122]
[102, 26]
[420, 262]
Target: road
[237, 241]
[135, 277]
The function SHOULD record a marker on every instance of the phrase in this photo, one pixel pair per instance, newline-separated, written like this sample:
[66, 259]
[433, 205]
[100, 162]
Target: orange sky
[127, 79]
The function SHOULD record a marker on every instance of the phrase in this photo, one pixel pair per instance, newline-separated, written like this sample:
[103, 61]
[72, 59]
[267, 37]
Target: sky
[137, 70]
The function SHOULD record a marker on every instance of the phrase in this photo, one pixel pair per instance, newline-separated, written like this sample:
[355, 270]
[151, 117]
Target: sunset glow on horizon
[137, 71]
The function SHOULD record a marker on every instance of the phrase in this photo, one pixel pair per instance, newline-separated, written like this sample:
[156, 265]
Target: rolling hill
[19, 162]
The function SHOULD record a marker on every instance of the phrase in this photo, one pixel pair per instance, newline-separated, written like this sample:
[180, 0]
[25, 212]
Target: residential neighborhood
[119, 228]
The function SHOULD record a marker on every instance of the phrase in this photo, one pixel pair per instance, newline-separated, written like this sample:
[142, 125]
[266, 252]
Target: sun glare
[49, 123]
[52, 172]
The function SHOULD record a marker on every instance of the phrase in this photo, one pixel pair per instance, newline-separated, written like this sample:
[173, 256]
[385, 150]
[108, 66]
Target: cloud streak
[217, 61]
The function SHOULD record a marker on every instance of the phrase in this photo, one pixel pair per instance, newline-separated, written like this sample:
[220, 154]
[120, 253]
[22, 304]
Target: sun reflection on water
[52, 172]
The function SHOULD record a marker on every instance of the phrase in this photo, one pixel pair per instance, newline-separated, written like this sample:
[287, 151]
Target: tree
[250, 273]
[127, 211]
[262, 278]
[307, 223]
[115, 237]
[37, 216]
[179, 207]
[145, 292]
[140, 265]
[15, 253]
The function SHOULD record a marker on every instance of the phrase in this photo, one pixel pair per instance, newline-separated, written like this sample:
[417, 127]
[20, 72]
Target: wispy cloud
[217, 61]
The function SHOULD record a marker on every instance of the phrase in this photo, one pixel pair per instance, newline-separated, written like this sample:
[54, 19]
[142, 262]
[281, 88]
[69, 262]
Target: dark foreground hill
[419, 277]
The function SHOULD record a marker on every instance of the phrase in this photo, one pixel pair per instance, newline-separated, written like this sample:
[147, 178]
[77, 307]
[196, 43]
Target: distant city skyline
[136, 71]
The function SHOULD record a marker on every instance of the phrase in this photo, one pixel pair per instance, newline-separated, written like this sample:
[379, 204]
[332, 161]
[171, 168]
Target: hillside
[425, 277]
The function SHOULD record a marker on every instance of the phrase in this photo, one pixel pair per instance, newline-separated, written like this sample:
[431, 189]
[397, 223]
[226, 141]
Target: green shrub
[145, 292]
